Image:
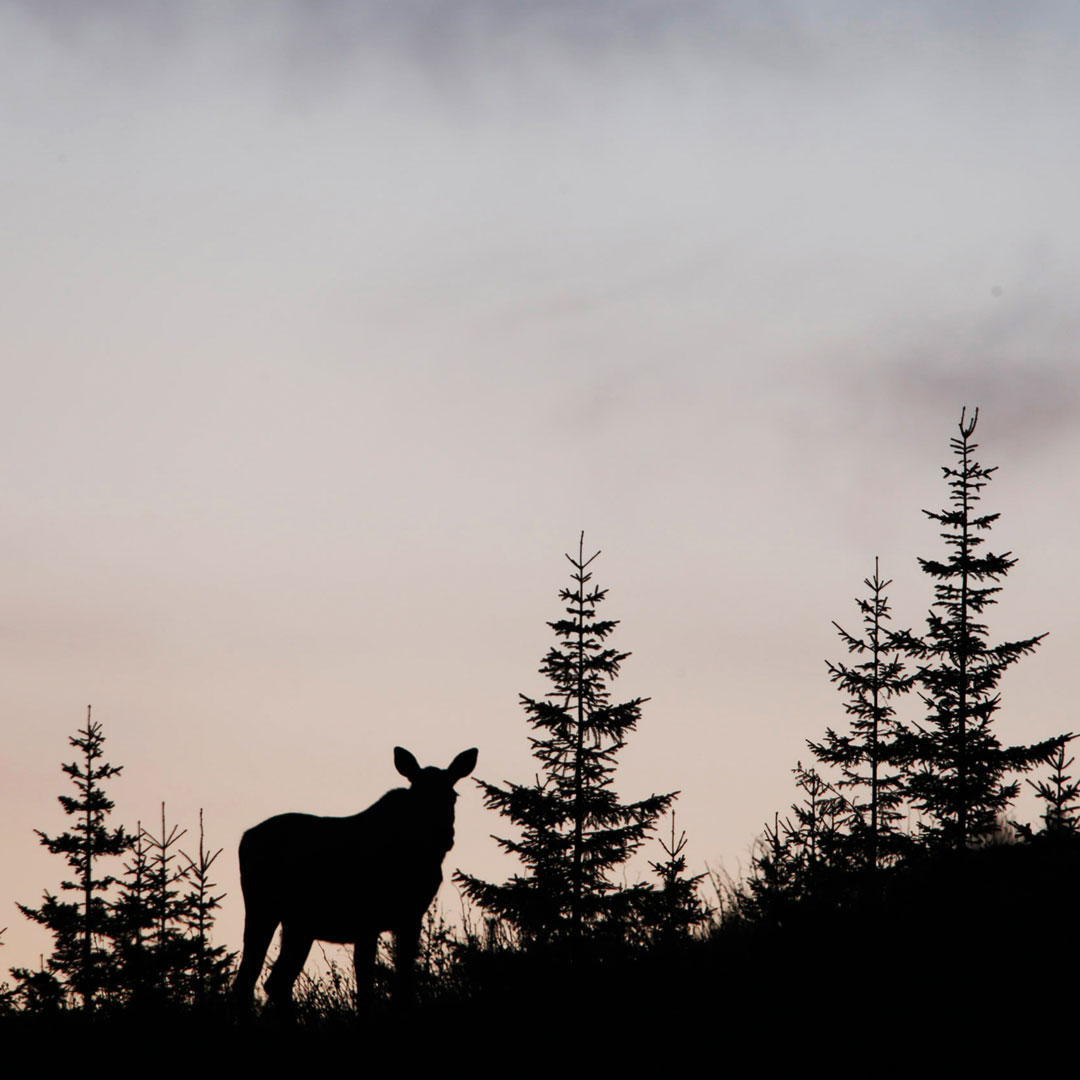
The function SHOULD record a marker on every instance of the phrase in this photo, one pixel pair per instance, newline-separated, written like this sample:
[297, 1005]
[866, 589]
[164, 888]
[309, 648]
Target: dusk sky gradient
[328, 326]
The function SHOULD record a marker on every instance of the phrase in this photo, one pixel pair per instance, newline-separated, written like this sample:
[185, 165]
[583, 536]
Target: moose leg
[295, 946]
[258, 933]
[406, 943]
[365, 953]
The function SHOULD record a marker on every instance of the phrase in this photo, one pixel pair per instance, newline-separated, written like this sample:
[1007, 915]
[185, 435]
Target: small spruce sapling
[168, 949]
[777, 875]
[678, 909]
[210, 965]
[1060, 796]
[133, 920]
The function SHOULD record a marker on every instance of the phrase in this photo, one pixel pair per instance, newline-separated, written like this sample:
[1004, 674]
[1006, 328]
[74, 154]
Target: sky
[327, 328]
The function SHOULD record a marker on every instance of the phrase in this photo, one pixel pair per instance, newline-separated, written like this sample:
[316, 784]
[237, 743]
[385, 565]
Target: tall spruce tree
[876, 740]
[574, 830]
[79, 928]
[959, 781]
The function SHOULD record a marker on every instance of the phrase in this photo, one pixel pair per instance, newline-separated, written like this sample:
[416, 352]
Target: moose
[347, 879]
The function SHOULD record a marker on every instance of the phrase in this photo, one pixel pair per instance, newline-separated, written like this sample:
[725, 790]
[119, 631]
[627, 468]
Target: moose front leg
[406, 944]
[365, 954]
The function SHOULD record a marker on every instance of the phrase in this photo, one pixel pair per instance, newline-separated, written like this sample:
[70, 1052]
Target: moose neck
[431, 829]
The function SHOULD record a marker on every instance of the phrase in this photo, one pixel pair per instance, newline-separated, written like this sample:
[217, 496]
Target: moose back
[347, 879]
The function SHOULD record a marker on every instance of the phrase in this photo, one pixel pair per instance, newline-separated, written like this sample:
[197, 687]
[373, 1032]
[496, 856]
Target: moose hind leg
[295, 946]
[258, 933]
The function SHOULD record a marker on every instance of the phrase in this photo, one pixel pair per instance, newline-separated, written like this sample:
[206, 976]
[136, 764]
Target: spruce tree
[1060, 796]
[7, 995]
[795, 856]
[677, 908]
[575, 832]
[876, 739]
[959, 780]
[133, 919]
[210, 965]
[168, 950]
[777, 874]
[80, 928]
[816, 832]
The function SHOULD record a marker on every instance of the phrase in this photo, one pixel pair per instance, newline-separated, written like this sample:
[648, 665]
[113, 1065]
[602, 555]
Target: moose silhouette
[347, 879]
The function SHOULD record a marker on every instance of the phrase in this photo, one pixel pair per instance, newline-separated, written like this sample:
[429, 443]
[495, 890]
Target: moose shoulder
[347, 879]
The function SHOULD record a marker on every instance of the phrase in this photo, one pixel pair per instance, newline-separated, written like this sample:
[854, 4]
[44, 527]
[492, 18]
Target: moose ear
[462, 765]
[406, 764]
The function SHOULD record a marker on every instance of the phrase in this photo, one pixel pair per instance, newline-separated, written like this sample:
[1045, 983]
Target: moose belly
[343, 907]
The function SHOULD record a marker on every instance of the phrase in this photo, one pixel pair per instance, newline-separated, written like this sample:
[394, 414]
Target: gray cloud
[439, 37]
[1016, 364]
